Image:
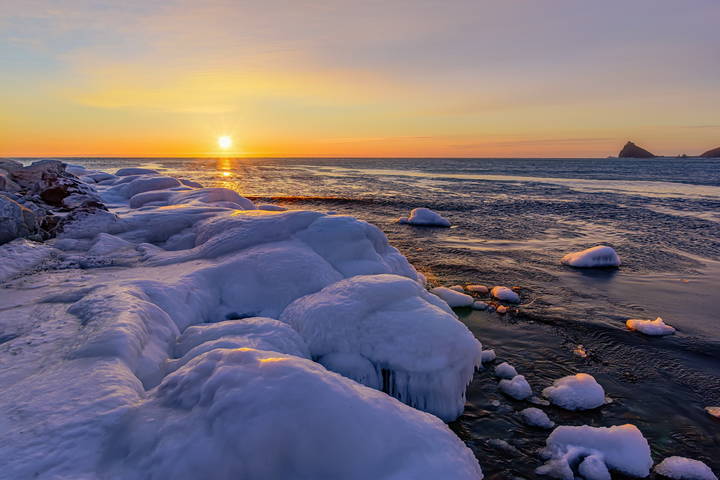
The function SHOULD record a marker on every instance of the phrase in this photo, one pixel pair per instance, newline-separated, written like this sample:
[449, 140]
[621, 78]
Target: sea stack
[714, 153]
[630, 150]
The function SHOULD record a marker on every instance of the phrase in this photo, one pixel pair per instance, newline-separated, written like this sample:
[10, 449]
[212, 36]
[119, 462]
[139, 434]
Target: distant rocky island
[630, 150]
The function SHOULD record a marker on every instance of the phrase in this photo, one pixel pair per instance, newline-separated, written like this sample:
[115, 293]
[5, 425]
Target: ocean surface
[513, 219]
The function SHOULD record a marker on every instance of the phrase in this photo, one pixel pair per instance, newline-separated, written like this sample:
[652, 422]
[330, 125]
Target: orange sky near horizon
[405, 78]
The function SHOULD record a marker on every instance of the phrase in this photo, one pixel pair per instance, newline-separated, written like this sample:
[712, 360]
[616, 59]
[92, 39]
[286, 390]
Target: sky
[413, 78]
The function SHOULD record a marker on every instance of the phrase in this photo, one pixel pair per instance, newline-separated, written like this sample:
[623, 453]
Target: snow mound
[21, 255]
[223, 196]
[595, 257]
[453, 297]
[328, 426]
[425, 217]
[505, 370]
[650, 327]
[140, 184]
[576, 392]
[517, 388]
[621, 448]
[535, 417]
[124, 172]
[488, 356]
[682, 468]
[392, 322]
[504, 294]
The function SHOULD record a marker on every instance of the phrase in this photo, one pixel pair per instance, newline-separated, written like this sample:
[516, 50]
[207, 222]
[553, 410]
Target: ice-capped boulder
[621, 448]
[488, 356]
[576, 392]
[535, 417]
[420, 352]
[505, 294]
[481, 289]
[124, 172]
[655, 327]
[505, 370]
[425, 217]
[210, 419]
[453, 297]
[595, 257]
[681, 468]
[517, 387]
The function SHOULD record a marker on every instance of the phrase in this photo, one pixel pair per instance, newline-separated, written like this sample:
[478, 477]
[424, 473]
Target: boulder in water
[630, 150]
[714, 153]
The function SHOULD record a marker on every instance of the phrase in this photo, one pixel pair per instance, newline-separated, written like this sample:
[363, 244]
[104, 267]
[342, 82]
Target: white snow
[536, 418]
[505, 294]
[425, 217]
[160, 367]
[505, 370]
[595, 257]
[488, 356]
[453, 297]
[517, 388]
[391, 322]
[576, 392]
[650, 327]
[621, 448]
[682, 468]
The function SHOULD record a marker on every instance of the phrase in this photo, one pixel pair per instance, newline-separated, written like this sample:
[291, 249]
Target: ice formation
[595, 451]
[536, 418]
[517, 388]
[650, 327]
[505, 370]
[488, 356]
[478, 305]
[505, 294]
[595, 257]
[426, 218]
[682, 468]
[173, 363]
[576, 392]
[389, 321]
[453, 297]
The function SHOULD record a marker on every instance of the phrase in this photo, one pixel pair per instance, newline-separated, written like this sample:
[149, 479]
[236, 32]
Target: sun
[224, 142]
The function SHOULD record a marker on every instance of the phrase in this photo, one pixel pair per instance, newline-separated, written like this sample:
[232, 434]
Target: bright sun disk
[224, 142]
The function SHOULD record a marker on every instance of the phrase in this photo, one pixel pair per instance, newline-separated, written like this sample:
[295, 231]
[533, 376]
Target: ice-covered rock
[457, 288]
[124, 172]
[453, 297]
[650, 327]
[228, 397]
[502, 309]
[141, 184]
[595, 257]
[505, 294]
[16, 221]
[425, 217]
[517, 388]
[714, 411]
[481, 289]
[21, 255]
[576, 392]
[479, 305]
[488, 356]
[392, 322]
[621, 448]
[535, 417]
[682, 468]
[271, 208]
[505, 370]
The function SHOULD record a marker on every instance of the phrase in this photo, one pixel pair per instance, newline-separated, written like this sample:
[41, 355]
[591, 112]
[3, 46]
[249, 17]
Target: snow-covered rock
[650, 327]
[392, 322]
[535, 417]
[576, 392]
[140, 184]
[621, 448]
[21, 255]
[488, 356]
[271, 208]
[458, 288]
[425, 217]
[595, 257]
[505, 294]
[505, 370]
[517, 388]
[16, 221]
[453, 297]
[682, 468]
[479, 305]
[124, 172]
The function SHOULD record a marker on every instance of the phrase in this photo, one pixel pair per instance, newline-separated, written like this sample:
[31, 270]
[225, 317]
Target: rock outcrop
[37, 200]
[630, 150]
[714, 153]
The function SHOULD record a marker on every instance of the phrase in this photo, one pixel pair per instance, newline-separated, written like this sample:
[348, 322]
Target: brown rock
[630, 150]
[714, 153]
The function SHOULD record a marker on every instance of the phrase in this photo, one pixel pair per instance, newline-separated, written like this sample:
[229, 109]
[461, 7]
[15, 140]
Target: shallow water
[512, 222]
